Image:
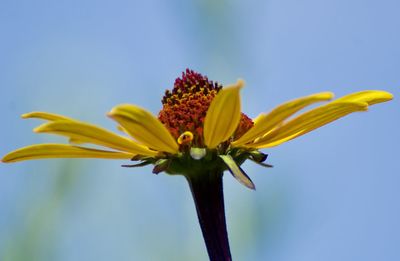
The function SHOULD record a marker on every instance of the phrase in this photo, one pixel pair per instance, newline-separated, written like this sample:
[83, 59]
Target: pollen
[185, 108]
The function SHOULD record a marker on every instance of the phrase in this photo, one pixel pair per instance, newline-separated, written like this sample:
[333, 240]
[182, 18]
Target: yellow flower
[201, 126]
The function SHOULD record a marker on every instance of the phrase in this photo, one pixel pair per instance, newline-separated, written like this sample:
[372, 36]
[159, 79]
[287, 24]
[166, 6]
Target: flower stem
[207, 192]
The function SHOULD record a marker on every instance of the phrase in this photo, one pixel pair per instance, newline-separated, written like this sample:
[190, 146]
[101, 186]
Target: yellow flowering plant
[199, 133]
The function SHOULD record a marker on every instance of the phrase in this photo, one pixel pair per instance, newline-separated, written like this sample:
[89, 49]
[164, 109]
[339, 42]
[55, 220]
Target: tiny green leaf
[237, 172]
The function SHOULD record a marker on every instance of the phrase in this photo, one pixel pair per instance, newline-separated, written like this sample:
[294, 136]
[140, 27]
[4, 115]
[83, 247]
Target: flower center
[185, 108]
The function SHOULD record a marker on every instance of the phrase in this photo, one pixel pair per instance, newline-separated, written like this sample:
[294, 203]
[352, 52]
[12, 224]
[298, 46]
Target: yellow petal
[144, 127]
[122, 129]
[75, 141]
[45, 116]
[368, 96]
[309, 121]
[223, 115]
[84, 132]
[266, 122]
[44, 151]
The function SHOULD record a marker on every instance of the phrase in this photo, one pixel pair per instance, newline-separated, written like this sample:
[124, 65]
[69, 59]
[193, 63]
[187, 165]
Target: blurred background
[332, 194]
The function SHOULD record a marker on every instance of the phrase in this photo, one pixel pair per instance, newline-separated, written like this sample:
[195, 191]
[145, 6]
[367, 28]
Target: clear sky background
[332, 195]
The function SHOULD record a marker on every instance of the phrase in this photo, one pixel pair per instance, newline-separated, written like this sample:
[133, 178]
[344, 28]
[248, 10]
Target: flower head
[200, 126]
[185, 109]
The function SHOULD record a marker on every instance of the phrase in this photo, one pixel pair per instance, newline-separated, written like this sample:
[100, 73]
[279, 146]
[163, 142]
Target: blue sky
[332, 195]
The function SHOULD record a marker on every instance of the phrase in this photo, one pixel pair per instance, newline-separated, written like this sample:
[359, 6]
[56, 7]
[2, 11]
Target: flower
[200, 122]
[199, 133]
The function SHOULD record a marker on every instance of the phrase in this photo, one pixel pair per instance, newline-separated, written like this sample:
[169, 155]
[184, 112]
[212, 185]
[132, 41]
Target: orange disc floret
[185, 107]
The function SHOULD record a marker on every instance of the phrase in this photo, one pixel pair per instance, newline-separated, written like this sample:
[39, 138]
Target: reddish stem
[207, 191]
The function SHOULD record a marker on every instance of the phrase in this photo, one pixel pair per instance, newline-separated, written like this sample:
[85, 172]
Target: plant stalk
[207, 192]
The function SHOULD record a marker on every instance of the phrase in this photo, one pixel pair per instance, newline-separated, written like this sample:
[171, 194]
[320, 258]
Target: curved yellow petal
[308, 121]
[223, 115]
[368, 96]
[45, 151]
[83, 132]
[45, 116]
[144, 127]
[267, 122]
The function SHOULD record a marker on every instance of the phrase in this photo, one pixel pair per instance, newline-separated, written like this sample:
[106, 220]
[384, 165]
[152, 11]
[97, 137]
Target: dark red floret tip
[185, 107]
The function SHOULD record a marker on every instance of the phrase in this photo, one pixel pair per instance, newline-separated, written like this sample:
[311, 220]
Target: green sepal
[237, 172]
[257, 156]
[264, 164]
[141, 164]
[145, 160]
[161, 165]
[140, 157]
